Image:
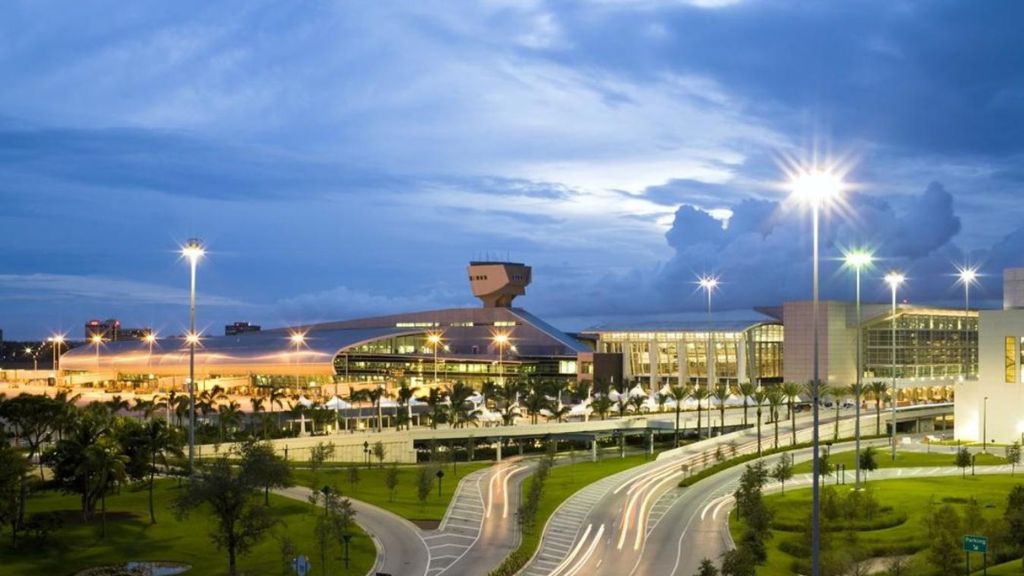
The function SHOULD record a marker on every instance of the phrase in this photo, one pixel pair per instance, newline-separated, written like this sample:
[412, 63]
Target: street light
[708, 283]
[501, 340]
[967, 275]
[35, 358]
[192, 251]
[435, 340]
[894, 279]
[58, 341]
[816, 188]
[97, 341]
[858, 260]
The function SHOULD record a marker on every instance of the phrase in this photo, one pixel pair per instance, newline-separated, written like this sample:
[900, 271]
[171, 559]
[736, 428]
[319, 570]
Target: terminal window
[1010, 360]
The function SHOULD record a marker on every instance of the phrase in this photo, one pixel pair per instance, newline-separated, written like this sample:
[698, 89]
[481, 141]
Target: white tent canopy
[337, 404]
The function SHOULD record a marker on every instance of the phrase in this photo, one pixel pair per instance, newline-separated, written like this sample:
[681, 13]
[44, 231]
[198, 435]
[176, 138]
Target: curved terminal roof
[270, 352]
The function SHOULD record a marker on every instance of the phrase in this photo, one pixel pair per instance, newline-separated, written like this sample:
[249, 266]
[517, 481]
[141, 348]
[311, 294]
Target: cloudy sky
[348, 158]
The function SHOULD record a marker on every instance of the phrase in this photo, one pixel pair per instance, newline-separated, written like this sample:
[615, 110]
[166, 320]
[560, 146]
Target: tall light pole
[35, 358]
[97, 341]
[984, 426]
[858, 260]
[967, 275]
[894, 279]
[58, 341]
[708, 283]
[501, 340]
[815, 187]
[192, 251]
[150, 340]
[435, 340]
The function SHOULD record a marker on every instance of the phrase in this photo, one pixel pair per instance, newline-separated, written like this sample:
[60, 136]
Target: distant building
[240, 328]
[496, 284]
[111, 331]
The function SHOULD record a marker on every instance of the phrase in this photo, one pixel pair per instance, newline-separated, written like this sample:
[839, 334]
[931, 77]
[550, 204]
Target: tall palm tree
[877, 390]
[746, 390]
[537, 399]
[116, 404]
[601, 405]
[721, 394]
[404, 399]
[258, 407]
[66, 412]
[104, 466]
[459, 394]
[507, 396]
[228, 416]
[760, 396]
[791, 390]
[775, 399]
[679, 394]
[699, 393]
[161, 441]
[435, 401]
[276, 397]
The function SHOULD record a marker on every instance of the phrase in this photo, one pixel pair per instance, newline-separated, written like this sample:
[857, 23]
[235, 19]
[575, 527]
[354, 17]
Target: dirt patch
[426, 524]
[74, 517]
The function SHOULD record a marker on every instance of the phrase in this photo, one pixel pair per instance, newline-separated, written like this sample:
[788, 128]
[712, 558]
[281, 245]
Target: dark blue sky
[348, 158]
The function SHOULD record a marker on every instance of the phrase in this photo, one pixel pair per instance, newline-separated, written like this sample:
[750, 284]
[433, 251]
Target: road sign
[975, 544]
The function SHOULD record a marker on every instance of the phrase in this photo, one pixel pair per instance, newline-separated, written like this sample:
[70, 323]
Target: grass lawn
[372, 489]
[904, 459]
[130, 536]
[900, 529]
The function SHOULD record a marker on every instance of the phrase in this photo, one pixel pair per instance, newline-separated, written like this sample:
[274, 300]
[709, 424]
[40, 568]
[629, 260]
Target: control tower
[496, 284]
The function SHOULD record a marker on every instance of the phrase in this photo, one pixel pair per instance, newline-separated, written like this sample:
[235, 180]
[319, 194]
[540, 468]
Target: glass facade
[929, 345]
[1010, 360]
[754, 354]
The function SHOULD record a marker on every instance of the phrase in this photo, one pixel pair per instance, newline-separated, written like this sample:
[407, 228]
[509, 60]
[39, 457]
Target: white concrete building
[992, 406]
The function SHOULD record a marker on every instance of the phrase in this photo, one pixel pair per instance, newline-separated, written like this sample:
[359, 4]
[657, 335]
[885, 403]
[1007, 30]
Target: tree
[1013, 516]
[435, 401]
[158, 441]
[868, 463]
[721, 394]
[963, 460]
[458, 395]
[379, 453]
[320, 453]
[944, 543]
[14, 471]
[424, 483]
[33, 419]
[836, 392]
[707, 568]
[1013, 456]
[240, 521]
[266, 469]
[353, 477]
[824, 463]
[679, 394]
[792, 392]
[103, 467]
[699, 394]
[72, 473]
[783, 470]
[391, 481]
[775, 400]
[738, 562]
[602, 404]
[333, 525]
[877, 390]
[746, 390]
[760, 396]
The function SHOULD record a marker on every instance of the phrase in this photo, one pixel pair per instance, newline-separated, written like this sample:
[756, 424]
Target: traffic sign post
[976, 544]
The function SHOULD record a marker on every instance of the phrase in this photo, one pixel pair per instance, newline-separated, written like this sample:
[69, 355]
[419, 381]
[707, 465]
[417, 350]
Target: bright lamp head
[816, 187]
[967, 274]
[894, 279]
[193, 250]
[858, 259]
[707, 282]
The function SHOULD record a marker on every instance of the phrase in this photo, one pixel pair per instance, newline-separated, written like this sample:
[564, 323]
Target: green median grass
[372, 489]
[562, 482]
[130, 536]
[904, 459]
[900, 527]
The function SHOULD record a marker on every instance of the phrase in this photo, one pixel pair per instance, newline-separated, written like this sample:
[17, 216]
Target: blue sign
[301, 565]
[975, 544]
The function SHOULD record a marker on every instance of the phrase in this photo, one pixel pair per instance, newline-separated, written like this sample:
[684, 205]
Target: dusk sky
[342, 159]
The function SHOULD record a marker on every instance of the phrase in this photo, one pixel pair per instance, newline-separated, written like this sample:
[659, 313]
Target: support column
[498, 457]
[683, 365]
[653, 357]
[650, 443]
[741, 360]
[593, 450]
[520, 443]
[622, 445]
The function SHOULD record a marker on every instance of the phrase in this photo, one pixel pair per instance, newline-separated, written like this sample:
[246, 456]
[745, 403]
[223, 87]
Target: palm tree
[117, 404]
[104, 466]
[637, 402]
[877, 389]
[161, 441]
[258, 407]
[435, 400]
[404, 397]
[746, 390]
[775, 400]
[721, 393]
[276, 397]
[678, 393]
[459, 394]
[791, 390]
[507, 396]
[66, 412]
[601, 405]
[228, 416]
[760, 396]
[537, 400]
[700, 393]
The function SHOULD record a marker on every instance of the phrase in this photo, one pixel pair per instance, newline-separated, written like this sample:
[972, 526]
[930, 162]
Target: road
[603, 529]
[478, 531]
